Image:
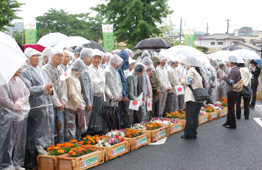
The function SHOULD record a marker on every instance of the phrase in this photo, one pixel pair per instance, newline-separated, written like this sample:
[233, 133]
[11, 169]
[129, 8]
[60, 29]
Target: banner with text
[108, 37]
[30, 32]
[189, 36]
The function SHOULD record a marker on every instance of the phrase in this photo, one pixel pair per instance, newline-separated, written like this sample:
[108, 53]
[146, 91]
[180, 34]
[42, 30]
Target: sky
[194, 13]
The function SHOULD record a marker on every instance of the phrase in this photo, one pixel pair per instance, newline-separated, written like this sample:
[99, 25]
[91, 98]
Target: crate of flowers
[80, 158]
[173, 124]
[242, 103]
[157, 131]
[114, 144]
[211, 112]
[137, 138]
[49, 161]
[181, 116]
[203, 118]
[223, 110]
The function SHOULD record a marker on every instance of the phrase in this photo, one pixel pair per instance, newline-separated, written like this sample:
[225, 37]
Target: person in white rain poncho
[40, 124]
[45, 56]
[222, 91]
[98, 81]
[165, 85]
[213, 82]
[68, 57]
[181, 71]
[113, 92]
[77, 52]
[132, 81]
[14, 108]
[130, 53]
[86, 82]
[131, 66]
[75, 119]
[171, 104]
[56, 58]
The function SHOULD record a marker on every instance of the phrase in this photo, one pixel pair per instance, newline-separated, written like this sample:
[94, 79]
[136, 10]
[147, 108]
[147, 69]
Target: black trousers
[192, 111]
[246, 106]
[254, 86]
[231, 102]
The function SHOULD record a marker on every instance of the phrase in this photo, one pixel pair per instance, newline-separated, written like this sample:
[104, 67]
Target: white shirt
[98, 80]
[162, 75]
[245, 74]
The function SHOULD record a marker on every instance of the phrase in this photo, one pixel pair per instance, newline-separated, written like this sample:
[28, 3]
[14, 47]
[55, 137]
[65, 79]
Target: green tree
[69, 24]
[8, 10]
[134, 20]
[167, 30]
[202, 48]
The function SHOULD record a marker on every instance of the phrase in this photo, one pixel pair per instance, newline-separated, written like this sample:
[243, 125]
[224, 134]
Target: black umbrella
[153, 43]
[95, 45]
[231, 48]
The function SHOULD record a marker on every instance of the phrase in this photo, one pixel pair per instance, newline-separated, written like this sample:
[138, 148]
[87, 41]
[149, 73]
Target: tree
[134, 20]
[69, 24]
[8, 11]
[202, 48]
[167, 30]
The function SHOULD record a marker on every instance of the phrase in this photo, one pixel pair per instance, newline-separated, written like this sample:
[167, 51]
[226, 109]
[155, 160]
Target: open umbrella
[259, 62]
[231, 48]
[223, 56]
[12, 57]
[72, 41]
[247, 54]
[51, 39]
[95, 45]
[153, 43]
[188, 55]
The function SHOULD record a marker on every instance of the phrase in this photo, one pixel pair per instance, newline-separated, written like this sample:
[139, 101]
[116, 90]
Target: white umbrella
[12, 57]
[51, 39]
[247, 54]
[72, 41]
[223, 56]
[189, 56]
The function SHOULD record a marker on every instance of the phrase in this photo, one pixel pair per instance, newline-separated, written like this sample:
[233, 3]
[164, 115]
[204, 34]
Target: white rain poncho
[98, 81]
[76, 118]
[44, 56]
[40, 129]
[145, 54]
[14, 108]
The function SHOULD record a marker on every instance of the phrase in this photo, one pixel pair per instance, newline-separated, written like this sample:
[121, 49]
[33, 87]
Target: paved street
[216, 148]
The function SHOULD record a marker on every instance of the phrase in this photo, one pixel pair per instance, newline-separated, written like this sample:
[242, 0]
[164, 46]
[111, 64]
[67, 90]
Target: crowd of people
[60, 95]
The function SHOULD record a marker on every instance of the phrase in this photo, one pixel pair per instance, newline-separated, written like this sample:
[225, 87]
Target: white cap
[131, 61]
[29, 52]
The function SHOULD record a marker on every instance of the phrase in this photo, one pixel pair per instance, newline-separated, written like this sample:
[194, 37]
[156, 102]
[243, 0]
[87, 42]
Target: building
[18, 26]
[219, 41]
[248, 34]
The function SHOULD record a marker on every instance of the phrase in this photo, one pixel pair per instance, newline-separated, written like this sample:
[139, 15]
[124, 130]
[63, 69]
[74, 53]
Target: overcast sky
[195, 13]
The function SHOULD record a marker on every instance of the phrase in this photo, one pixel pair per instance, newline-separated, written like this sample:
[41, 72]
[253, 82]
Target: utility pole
[227, 25]
[207, 28]
[180, 29]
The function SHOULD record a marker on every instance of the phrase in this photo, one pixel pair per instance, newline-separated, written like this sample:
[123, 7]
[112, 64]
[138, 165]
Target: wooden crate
[158, 133]
[213, 115]
[139, 141]
[176, 128]
[242, 103]
[183, 121]
[46, 162]
[116, 150]
[202, 119]
[84, 162]
[223, 112]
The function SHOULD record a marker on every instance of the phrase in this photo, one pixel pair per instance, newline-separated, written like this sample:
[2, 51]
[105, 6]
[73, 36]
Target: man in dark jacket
[123, 105]
[255, 71]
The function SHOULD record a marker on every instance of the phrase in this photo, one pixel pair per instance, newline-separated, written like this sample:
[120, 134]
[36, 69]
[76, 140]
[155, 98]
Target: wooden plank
[47, 162]
[223, 112]
[139, 141]
[80, 163]
[213, 115]
[183, 121]
[202, 119]
[176, 128]
[116, 150]
[158, 133]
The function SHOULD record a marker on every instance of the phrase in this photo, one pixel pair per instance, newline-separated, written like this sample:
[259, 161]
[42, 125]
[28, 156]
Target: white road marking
[159, 142]
[259, 121]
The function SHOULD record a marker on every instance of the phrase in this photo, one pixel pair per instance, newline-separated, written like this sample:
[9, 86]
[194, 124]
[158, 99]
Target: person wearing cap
[86, 82]
[165, 85]
[40, 122]
[171, 104]
[131, 66]
[98, 80]
[45, 56]
[155, 83]
[60, 98]
[232, 96]
[75, 118]
[68, 57]
[181, 72]
[114, 92]
[130, 53]
[103, 63]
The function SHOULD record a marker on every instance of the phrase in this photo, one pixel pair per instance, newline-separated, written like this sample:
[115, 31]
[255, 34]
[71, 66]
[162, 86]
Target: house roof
[250, 46]
[221, 37]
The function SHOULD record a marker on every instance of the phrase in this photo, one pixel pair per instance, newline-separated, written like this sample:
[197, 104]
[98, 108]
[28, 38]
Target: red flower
[122, 140]
[117, 137]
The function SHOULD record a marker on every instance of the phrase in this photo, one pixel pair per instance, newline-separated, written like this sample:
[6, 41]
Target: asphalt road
[216, 148]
